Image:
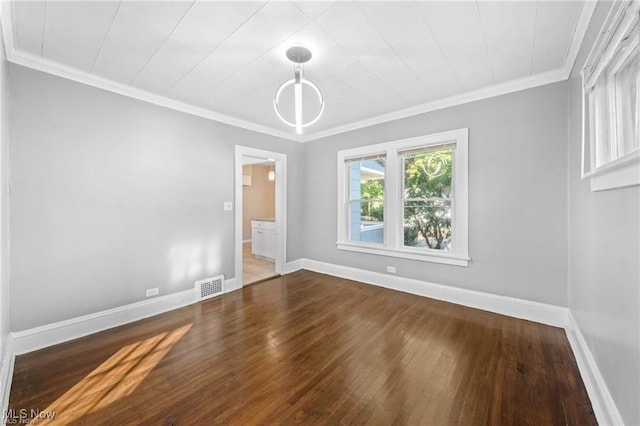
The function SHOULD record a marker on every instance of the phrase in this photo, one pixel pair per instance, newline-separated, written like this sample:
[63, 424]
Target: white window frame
[612, 48]
[393, 207]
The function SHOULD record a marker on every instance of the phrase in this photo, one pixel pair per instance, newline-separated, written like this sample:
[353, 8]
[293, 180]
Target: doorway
[260, 229]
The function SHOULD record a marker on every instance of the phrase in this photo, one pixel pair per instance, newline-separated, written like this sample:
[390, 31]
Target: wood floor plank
[308, 348]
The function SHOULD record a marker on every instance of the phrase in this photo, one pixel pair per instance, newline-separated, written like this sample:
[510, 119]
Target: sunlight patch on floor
[115, 378]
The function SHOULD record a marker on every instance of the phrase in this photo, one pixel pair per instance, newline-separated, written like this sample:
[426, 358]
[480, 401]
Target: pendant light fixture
[272, 174]
[299, 55]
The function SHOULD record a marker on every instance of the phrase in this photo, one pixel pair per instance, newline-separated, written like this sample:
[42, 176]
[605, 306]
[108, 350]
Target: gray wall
[604, 259]
[111, 196]
[4, 205]
[517, 187]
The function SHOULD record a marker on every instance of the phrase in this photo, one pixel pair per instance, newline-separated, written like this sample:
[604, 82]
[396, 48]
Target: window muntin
[427, 197]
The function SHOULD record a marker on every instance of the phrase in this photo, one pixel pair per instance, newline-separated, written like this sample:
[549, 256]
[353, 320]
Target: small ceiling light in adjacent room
[299, 55]
[272, 174]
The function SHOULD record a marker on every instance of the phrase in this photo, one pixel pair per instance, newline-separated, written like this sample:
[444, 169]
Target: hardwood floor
[255, 269]
[310, 348]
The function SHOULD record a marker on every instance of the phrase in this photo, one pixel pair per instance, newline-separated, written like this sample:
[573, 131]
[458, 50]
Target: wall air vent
[209, 287]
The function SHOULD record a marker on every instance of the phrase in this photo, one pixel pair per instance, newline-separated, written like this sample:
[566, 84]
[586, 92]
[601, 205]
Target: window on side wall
[611, 98]
[406, 198]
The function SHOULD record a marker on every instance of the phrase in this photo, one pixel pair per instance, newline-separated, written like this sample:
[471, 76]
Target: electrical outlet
[153, 292]
[228, 206]
[391, 269]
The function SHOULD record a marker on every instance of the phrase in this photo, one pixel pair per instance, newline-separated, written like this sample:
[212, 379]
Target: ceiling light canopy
[299, 55]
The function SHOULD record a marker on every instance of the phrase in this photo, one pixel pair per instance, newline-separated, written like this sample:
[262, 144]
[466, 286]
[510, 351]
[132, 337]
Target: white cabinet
[263, 238]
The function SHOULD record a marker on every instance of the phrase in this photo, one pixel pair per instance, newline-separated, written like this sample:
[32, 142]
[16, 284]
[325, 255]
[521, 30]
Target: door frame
[280, 204]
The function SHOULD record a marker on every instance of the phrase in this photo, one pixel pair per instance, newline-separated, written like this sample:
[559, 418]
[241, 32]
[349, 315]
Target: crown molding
[464, 98]
[38, 63]
[41, 64]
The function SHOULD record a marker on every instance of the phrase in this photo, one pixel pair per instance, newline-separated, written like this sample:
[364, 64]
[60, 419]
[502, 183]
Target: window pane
[427, 224]
[366, 200]
[428, 189]
[428, 174]
[367, 223]
[604, 153]
[627, 87]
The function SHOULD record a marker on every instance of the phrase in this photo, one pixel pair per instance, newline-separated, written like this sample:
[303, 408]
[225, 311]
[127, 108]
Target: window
[611, 92]
[406, 198]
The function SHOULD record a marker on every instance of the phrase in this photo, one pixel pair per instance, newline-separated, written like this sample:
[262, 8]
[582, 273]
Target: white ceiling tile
[350, 29]
[207, 24]
[74, 31]
[394, 21]
[313, 9]
[247, 8]
[439, 84]
[172, 61]
[457, 29]
[358, 76]
[223, 63]
[272, 24]
[421, 53]
[138, 30]
[204, 27]
[554, 29]
[509, 30]
[29, 25]
[395, 73]
[267, 28]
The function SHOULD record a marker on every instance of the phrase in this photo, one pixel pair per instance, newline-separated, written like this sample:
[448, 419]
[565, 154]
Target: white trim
[6, 374]
[476, 95]
[580, 30]
[510, 306]
[293, 266]
[51, 334]
[38, 63]
[427, 256]
[618, 173]
[281, 206]
[602, 402]
[232, 284]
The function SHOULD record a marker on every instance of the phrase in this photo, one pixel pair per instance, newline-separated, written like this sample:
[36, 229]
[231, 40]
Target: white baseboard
[511, 306]
[6, 373]
[232, 285]
[602, 402]
[293, 266]
[62, 331]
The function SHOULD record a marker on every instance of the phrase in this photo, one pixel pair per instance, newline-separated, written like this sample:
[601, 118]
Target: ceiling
[373, 61]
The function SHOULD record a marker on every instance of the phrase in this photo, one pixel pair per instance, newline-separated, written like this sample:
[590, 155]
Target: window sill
[617, 174]
[447, 259]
